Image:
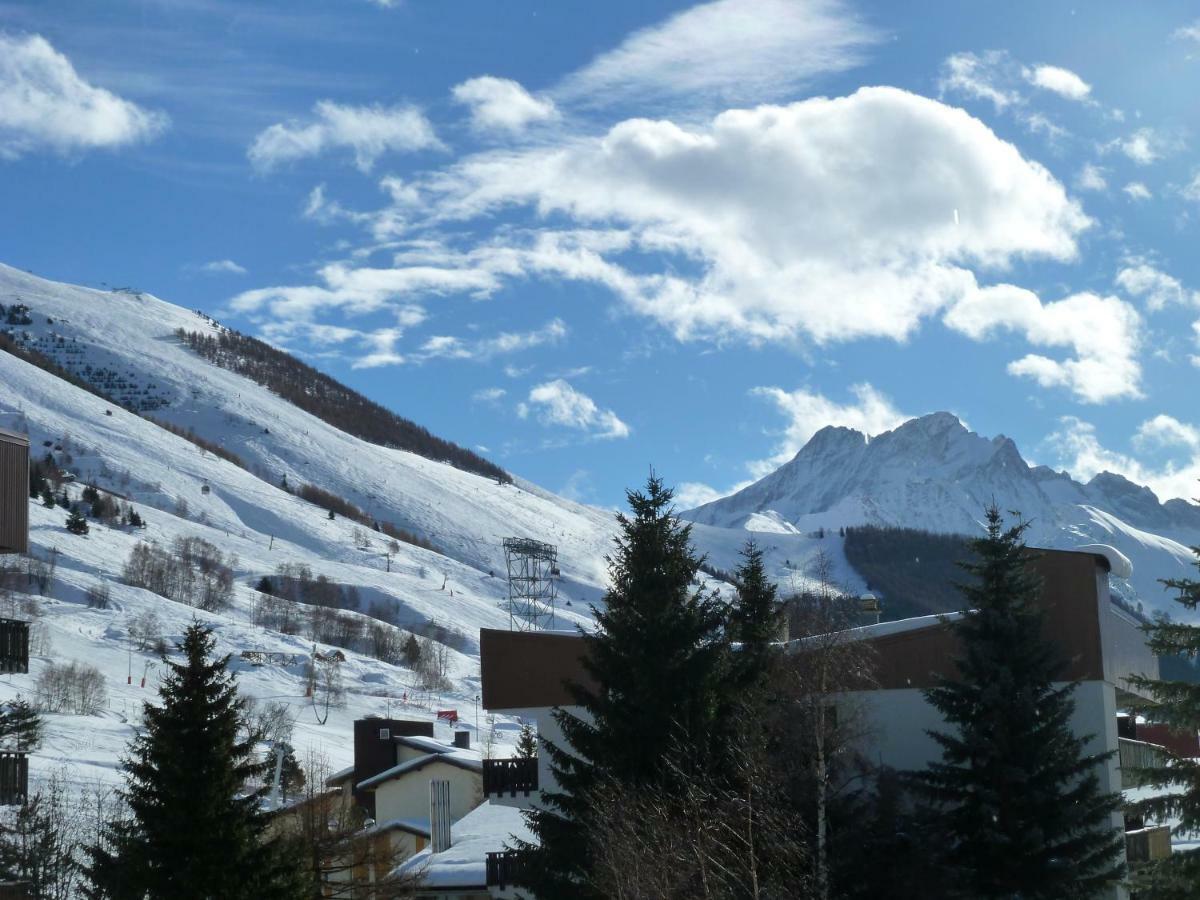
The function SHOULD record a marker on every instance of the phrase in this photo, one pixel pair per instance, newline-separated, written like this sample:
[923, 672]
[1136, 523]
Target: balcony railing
[1148, 844]
[504, 869]
[1137, 755]
[509, 776]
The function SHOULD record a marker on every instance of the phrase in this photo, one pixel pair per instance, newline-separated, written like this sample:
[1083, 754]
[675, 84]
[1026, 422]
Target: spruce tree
[192, 833]
[527, 743]
[1021, 805]
[1176, 704]
[754, 616]
[20, 726]
[656, 658]
[76, 523]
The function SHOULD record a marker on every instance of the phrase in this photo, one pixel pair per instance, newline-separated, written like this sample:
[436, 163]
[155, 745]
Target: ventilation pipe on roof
[439, 815]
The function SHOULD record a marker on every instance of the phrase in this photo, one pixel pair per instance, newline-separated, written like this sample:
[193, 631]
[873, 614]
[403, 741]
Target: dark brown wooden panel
[14, 492]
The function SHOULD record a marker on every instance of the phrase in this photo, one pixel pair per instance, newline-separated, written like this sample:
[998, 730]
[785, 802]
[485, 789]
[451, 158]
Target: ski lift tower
[532, 588]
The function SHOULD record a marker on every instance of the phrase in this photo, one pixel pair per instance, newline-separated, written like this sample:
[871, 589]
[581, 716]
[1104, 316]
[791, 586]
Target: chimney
[439, 815]
[462, 740]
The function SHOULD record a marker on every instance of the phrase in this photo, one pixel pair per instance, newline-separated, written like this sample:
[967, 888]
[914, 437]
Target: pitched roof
[485, 829]
[463, 760]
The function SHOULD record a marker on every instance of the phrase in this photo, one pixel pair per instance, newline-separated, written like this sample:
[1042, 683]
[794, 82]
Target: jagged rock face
[933, 473]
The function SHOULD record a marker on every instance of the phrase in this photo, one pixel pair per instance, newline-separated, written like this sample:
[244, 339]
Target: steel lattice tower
[532, 585]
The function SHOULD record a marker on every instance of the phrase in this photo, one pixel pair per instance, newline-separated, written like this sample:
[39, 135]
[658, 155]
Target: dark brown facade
[14, 492]
[523, 670]
[527, 669]
[375, 751]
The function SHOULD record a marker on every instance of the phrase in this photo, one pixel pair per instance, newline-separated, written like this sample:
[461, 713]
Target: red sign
[448, 715]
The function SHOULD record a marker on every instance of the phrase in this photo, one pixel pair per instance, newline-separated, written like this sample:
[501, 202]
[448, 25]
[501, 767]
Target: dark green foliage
[657, 658]
[754, 618]
[264, 585]
[37, 847]
[48, 498]
[883, 842]
[191, 833]
[90, 494]
[914, 571]
[1020, 800]
[527, 743]
[411, 651]
[291, 775]
[20, 726]
[64, 501]
[329, 400]
[1177, 704]
[76, 523]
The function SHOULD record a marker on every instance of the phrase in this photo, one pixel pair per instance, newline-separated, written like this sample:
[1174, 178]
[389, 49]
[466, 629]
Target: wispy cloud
[727, 51]
[500, 104]
[368, 132]
[221, 267]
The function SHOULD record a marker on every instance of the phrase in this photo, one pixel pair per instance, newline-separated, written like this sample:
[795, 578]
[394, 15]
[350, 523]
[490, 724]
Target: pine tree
[264, 585]
[656, 657]
[191, 832]
[76, 523]
[527, 743]
[1176, 704]
[20, 726]
[754, 616]
[291, 774]
[1021, 803]
[48, 500]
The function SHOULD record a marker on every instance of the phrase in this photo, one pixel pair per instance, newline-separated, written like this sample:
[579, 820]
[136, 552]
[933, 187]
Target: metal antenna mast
[532, 585]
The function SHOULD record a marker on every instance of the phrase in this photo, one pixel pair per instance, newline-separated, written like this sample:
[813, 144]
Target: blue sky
[592, 238]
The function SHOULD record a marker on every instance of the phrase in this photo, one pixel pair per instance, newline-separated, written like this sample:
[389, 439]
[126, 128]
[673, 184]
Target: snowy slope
[933, 473]
[124, 344]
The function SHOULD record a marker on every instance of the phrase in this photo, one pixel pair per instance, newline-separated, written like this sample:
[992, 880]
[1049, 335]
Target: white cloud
[1191, 190]
[223, 267]
[1142, 280]
[1079, 450]
[1060, 81]
[731, 51]
[690, 494]
[1091, 178]
[725, 196]
[981, 77]
[368, 131]
[44, 104]
[807, 412]
[500, 104]
[491, 396]
[1136, 190]
[447, 347]
[557, 403]
[1167, 431]
[1188, 32]
[362, 290]
[1143, 146]
[1102, 332]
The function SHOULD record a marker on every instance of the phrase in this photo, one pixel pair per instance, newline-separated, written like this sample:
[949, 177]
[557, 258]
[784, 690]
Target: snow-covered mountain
[933, 473]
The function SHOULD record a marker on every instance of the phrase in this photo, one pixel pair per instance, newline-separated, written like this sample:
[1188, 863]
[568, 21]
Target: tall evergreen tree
[754, 617]
[656, 658]
[1021, 803]
[192, 833]
[527, 743]
[76, 523]
[1176, 704]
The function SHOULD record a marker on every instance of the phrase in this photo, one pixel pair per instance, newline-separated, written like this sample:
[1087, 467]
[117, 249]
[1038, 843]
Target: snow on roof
[882, 629]
[412, 826]
[462, 759]
[485, 829]
[1118, 563]
[339, 776]
[422, 742]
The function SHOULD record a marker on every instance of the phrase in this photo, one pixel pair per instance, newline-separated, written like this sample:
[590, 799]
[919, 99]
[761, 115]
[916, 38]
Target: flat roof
[13, 437]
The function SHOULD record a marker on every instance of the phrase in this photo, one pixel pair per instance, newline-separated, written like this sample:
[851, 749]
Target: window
[385, 734]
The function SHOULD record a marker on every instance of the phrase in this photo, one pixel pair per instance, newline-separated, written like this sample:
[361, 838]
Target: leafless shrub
[99, 596]
[145, 630]
[74, 687]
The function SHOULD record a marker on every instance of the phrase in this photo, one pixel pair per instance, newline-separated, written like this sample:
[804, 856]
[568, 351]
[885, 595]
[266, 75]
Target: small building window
[385, 734]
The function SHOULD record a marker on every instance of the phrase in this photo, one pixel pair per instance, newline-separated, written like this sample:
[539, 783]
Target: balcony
[1147, 844]
[509, 776]
[1133, 754]
[504, 869]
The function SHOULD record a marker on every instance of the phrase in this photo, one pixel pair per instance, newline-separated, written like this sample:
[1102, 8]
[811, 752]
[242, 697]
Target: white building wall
[407, 797]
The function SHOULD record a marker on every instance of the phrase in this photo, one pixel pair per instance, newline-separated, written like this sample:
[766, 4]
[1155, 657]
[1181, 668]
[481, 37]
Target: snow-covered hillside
[933, 473]
[124, 345]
